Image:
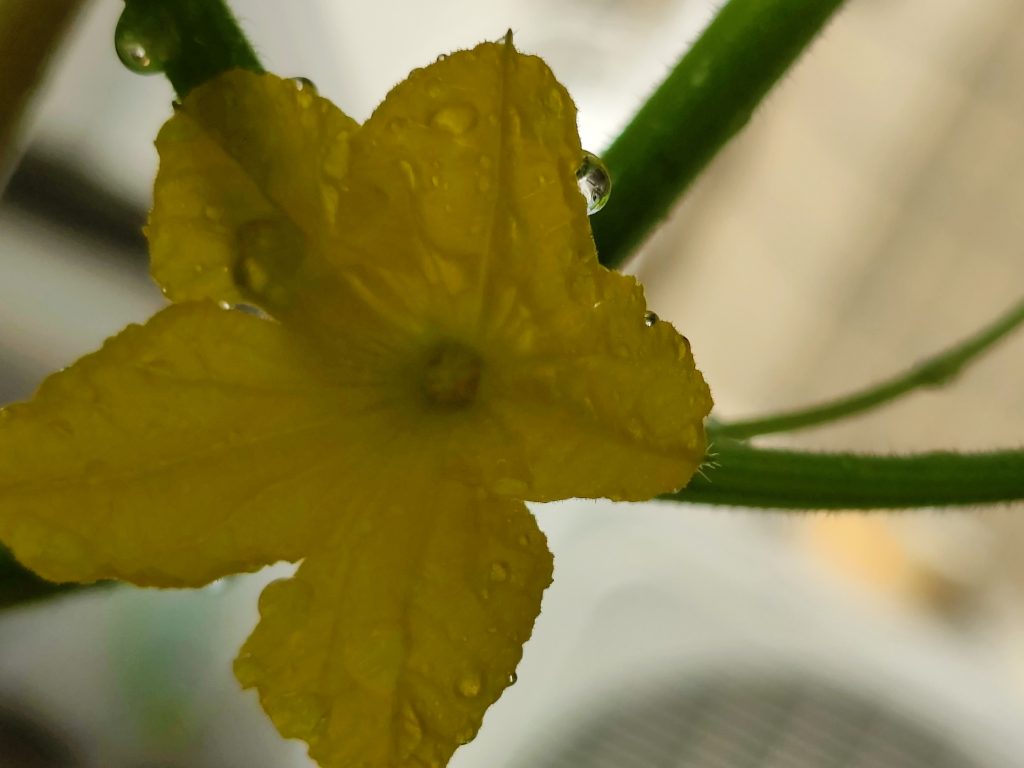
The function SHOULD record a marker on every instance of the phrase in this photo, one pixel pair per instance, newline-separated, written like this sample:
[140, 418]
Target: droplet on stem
[594, 181]
[145, 42]
[650, 319]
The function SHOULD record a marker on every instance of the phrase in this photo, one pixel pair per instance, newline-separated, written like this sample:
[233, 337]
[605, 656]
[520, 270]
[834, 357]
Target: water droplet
[269, 253]
[304, 84]
[650, 319]
[513, 678]
[410, 173]
[145, 41]
[594, 182]
[455, 118]
[469, 685]
[499, 571]
[553, 100]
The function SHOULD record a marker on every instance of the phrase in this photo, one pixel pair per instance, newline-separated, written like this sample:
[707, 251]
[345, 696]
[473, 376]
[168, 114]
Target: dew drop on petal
[594, 181]
[513, 678]
[650, 319]
[304, 84]
[499, 571]
[269, 253]
[455, 118]
[469, 685]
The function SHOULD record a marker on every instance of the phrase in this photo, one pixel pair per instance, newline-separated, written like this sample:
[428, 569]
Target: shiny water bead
[650, 318]
[145, 42]
[594, 181]
[304, 84]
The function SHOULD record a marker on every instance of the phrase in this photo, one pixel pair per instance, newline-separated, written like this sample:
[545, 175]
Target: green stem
[934, 372]
[746, 476]
[706, 99]
[190, 41]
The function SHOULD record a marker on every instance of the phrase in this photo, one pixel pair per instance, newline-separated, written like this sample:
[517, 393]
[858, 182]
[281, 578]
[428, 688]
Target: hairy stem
[745, 476]
[191, 41]
[706, 99]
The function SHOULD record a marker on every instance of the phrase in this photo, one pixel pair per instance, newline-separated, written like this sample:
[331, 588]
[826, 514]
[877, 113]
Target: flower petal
[616, 410]
[203, 443]
[247, 165]
[393, 639]
[464, 179]
[461, 187]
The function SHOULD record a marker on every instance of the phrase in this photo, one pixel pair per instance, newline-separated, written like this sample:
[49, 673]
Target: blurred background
[871, 214]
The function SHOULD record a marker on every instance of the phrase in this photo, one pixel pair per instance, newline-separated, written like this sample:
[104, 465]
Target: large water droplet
[145, 41]
[594, 181]
[304, 84]
[455, 118]
[650, 319]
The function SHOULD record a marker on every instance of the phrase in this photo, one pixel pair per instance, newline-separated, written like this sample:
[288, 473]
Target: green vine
[705, 101]
[744, 476]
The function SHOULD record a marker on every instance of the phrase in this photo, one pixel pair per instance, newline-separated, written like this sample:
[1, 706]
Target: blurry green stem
[196, 39]
[29, 36]
[706, 99]
[936, 371]
[745, 476]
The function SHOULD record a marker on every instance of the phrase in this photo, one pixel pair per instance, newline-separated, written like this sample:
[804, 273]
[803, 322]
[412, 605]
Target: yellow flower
[439, 344]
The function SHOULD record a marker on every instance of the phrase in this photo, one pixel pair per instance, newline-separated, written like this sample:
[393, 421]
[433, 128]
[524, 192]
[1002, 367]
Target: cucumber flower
[436, 344]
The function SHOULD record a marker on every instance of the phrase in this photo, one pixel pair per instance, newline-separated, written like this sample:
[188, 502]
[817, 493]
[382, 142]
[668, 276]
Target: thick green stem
[706, 99]
[190, 41]
[934, 372]
[746, 476]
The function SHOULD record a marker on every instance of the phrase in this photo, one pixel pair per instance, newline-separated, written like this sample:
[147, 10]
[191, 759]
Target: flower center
[452, 375]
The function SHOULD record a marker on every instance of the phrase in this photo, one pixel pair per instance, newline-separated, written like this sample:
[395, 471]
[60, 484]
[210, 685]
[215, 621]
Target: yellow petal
[602, 404]
[464, 179]
[244, 190]
[394, 637]
[461, 188]
[203, 443]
